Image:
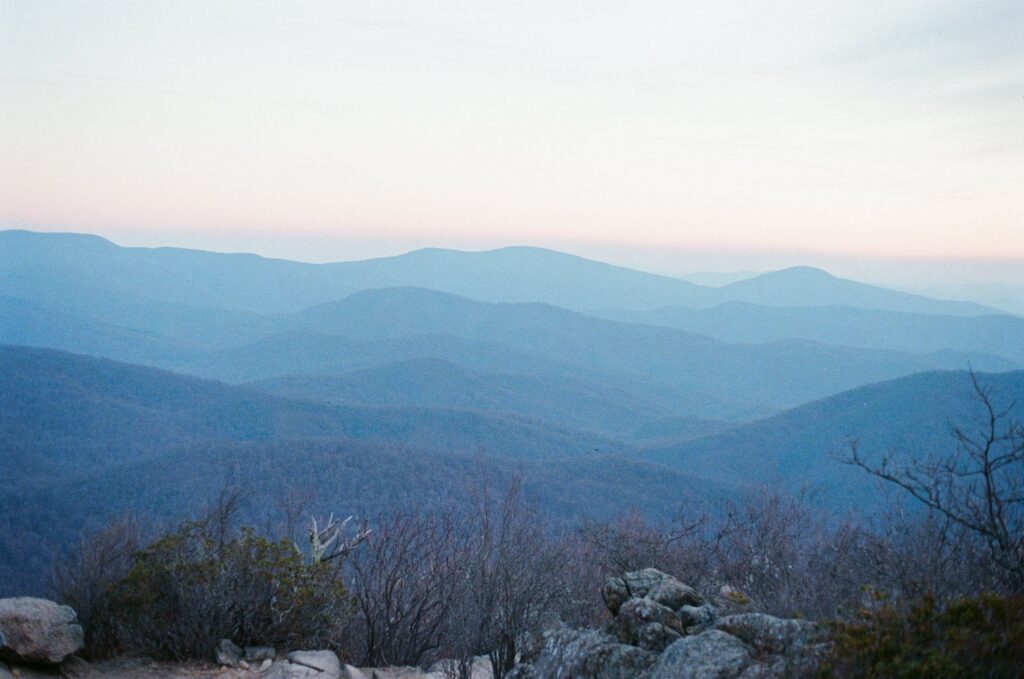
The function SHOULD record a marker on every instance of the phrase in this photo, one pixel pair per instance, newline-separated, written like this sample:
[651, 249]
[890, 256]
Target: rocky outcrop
[651, 584]
[664, 629]
[793, 648]
[773, 635]
[637, 613]
[38, 631]
[655, 637]
[587, 653]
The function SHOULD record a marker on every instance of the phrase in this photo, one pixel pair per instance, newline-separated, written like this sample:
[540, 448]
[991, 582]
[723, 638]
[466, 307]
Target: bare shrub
[978, 486]
[909, 556]
[631, 542]
[770, 547]
[86, 578]
[515, 579]
[406, 578]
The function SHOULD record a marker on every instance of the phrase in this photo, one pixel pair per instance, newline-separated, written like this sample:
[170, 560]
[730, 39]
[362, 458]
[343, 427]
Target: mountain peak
[794, 278]
[801, 272]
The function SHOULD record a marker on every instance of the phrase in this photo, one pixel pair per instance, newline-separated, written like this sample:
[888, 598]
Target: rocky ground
[661, 629]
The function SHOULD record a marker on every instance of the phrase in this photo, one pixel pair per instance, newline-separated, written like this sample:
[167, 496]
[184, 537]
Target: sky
[879, 138]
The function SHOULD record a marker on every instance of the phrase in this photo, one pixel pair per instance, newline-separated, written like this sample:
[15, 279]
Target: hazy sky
[778, 131]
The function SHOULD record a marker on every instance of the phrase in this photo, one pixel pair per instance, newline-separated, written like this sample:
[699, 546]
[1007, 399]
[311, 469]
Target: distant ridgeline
[145, 379]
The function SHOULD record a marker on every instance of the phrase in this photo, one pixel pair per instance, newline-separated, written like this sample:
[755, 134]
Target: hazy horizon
[953, 278]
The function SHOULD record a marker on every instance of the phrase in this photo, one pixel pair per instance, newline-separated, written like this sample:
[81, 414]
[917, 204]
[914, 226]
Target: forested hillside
[912, 417]
[85, 439]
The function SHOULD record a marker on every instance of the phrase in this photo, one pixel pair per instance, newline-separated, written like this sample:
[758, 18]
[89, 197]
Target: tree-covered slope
[561, 399]
[912, 416]
[62, 413]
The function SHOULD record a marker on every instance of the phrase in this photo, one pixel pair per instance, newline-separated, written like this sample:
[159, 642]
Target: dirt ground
[135, 668]
[140, 668]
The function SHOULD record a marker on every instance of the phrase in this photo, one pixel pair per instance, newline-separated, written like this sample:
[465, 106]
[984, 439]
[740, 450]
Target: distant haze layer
[997, 282]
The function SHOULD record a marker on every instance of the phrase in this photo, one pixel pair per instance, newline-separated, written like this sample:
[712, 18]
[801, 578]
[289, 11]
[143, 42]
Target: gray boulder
[74, 667]
[696, 616]
[769, 634]
[615, 593]
[636, 613]
[227, 653]
[631, 585]
[5, 671]
[652, 584]
[656, 637]
[709, 655]
[729, 600]
[573, 654]
[38, 631]
[674, 594]
[306, 665]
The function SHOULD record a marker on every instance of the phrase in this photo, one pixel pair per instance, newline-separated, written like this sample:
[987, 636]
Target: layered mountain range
[135, 379]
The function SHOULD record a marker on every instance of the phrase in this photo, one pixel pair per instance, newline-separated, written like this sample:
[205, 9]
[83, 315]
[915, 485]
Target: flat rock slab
[306, 665]
[38, 631]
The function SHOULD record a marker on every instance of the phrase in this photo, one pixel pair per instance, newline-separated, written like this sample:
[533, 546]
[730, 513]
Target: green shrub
[972, 637]
[193, 587]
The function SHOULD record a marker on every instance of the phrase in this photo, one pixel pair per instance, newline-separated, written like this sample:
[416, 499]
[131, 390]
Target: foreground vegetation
[933, 589]
[913, 599]
[980, 636]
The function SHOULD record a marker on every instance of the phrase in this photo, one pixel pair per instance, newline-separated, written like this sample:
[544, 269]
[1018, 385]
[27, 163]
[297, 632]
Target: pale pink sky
[656, 132]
